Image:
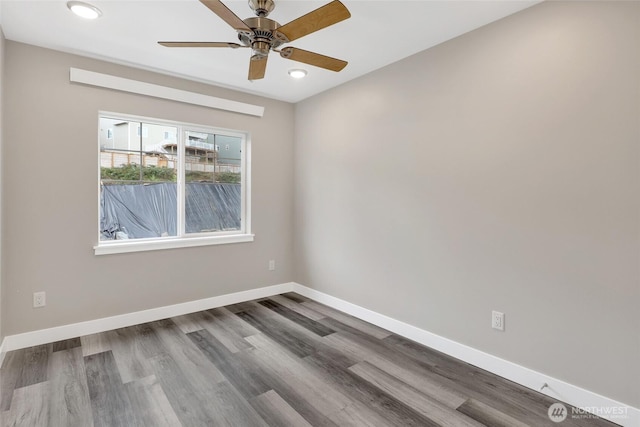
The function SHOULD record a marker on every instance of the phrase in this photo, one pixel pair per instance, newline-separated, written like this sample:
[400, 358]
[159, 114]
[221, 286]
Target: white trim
[245, 185]
[125, 246]
[44, 336]
[529, 378]
[182, 240]
[91, 78]
[181, 193]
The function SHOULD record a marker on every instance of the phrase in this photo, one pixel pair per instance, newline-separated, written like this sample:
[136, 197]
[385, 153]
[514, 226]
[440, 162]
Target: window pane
[138, 194]
[212, 182]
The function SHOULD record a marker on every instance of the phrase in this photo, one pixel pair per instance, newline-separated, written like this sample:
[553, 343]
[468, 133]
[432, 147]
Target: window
[164, 184]
[145, 131]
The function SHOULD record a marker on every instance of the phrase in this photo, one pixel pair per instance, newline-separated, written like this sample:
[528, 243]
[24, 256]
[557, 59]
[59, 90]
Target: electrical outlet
[497, 320]
[39, 299]
[272, 265]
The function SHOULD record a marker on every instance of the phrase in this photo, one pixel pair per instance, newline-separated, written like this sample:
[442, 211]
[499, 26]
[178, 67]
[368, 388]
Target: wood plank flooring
[280, 361]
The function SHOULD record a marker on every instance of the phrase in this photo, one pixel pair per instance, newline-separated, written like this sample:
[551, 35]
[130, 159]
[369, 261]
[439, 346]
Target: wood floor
[281, 361]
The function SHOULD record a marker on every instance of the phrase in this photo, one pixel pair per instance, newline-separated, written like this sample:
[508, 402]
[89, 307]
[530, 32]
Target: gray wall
[512, 184]
[1, 177]
[51, 189]
[497, 171]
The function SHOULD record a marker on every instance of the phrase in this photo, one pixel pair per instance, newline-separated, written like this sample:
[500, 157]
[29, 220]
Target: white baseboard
[557, 389]
[44, 336]
[529, 378]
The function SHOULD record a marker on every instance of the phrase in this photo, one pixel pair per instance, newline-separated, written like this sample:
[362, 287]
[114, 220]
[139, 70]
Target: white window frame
[182, 240]
[141, 131]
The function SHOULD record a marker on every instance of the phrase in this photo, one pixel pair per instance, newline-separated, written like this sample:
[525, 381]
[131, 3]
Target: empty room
[319, 213]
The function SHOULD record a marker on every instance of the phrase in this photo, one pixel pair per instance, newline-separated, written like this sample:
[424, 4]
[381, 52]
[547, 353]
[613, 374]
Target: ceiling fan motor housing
[263, 38]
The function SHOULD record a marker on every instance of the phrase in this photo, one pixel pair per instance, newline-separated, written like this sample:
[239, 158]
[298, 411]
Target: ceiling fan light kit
[263, 35]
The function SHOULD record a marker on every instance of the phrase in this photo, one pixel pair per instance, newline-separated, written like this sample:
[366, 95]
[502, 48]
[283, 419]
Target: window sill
[122, 246]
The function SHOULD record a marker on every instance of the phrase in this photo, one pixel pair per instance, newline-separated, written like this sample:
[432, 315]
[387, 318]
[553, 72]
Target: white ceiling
[377, 34]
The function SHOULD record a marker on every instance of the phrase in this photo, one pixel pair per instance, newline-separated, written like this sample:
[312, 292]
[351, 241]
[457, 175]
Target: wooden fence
[115, 159]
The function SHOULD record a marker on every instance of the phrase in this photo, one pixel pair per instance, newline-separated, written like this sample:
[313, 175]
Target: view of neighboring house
[134, 143]
[135, 153]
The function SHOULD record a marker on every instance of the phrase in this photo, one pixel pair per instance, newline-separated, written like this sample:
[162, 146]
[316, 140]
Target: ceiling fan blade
[313, 58]
[257, 67]
[201, 44]
[318, 19]
[217, 7]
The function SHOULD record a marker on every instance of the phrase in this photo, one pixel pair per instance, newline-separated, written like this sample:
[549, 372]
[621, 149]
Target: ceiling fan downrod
[262, 8]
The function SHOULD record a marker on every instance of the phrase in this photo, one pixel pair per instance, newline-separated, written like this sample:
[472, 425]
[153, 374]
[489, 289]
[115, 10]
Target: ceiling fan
[263, 35]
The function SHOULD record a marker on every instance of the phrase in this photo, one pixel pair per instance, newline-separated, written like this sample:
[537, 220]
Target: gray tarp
[149, 210]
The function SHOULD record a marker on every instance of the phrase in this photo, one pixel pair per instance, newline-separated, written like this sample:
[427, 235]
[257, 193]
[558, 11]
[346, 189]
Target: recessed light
[297, 73]
[84, 10]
